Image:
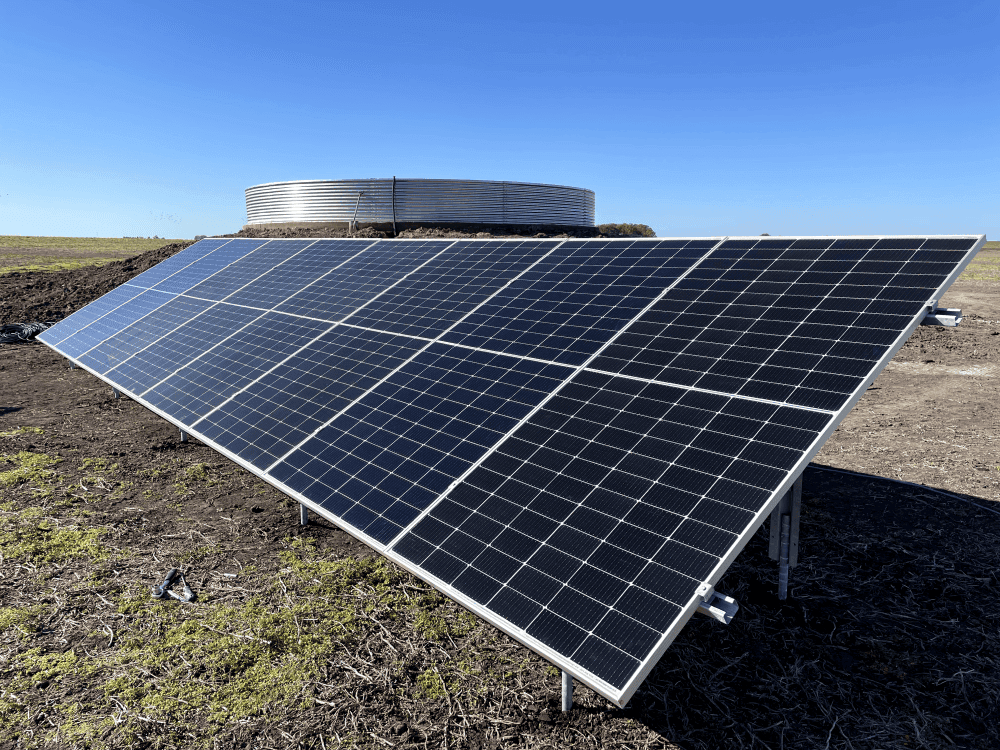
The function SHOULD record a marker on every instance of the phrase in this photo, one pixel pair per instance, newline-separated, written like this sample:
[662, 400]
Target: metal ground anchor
[784, 542]
[567, 691]
[303, 515]
[184, 436]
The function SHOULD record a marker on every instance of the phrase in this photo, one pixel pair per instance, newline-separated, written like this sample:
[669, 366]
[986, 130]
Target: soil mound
[51, 296]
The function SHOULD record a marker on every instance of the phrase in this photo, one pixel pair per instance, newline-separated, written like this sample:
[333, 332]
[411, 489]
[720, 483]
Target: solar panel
[572, 438]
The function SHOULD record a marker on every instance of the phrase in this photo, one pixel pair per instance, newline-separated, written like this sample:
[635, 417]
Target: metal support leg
[184, 436]
[784, 542]
[72, 366]
[786, 534]
[116, 392]
[303, 515]
[567, 691]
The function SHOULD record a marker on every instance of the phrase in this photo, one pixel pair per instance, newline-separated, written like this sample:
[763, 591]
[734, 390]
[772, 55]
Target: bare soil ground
[300, 637]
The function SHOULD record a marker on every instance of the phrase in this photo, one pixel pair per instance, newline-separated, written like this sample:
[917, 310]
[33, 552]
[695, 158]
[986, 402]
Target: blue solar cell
[282, 408]
[247, 269]
[391, 454]
[178, 347]
[308, 271]
[113, 321]
[245, 356]
[204, 267]
[575, 300]
[592, 515]
[723, 347]
[452, 284]
[138, 335]
[178, 261]
[361, 279]
[94, 311]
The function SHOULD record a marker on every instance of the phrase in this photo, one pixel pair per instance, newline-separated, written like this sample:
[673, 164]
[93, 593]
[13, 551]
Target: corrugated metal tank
[408, 201]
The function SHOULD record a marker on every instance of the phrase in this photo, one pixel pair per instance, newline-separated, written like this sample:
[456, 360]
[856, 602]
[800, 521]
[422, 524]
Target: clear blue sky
[695, 118]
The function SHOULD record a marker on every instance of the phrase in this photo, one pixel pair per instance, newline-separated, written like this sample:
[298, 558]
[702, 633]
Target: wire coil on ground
[419, 201]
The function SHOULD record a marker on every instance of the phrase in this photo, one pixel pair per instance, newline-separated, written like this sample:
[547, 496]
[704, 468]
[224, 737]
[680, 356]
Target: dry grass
[25, 254]
[986, 265]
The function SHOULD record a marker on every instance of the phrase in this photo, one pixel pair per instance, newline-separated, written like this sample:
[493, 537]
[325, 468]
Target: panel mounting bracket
[784, 541]
[719, 607]
[942, 316]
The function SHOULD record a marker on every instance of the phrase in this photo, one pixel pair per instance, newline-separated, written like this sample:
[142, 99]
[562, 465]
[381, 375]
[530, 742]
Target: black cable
[14, 333]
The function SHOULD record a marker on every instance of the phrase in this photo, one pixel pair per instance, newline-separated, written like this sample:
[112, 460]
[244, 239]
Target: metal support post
[303, 515]
[184, 436]
[116, 392]
[72, 366]
[784, 541]
[786, 533]
[354, 221]
[567, 691]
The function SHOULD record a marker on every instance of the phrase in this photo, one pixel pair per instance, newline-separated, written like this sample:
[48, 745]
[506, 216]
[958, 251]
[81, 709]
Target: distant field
[986, 265]
[68, 253]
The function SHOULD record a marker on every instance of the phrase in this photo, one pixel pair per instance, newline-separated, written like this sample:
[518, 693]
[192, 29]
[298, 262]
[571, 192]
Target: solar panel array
[573, 438]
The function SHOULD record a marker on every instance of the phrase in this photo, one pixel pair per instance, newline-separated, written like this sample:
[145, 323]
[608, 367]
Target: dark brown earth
[888, 639]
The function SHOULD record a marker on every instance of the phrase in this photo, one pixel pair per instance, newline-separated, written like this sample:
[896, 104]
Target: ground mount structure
[573, 438]
[402, 203]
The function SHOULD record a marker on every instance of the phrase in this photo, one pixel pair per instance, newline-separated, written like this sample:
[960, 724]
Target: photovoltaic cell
[452, 284]
[575, 300]
[113, 321]
[178, 347]
[281, 409]
[116, 349]
[308, 271]
[247, 355]
[96, 310]
[595, 523]
[242, 272]
[176, 262]
[204, 267]
[799, 325]
[391, 454]
[360, 279]
[572, 482]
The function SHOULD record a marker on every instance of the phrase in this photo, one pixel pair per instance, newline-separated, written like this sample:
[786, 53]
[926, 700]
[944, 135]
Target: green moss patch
[24, 536]
[29, 467]
[20, 431]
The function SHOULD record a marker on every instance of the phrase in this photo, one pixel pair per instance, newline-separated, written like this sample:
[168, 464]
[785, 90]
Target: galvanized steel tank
[408, 201]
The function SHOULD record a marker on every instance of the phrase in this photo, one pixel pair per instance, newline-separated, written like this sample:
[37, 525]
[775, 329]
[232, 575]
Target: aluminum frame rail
[418, 200]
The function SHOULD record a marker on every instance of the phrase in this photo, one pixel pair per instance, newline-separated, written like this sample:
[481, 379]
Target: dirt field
[300, 637]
